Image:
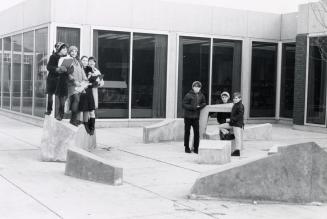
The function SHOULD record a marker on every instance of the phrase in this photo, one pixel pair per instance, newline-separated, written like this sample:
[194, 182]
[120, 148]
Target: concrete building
[151, 51]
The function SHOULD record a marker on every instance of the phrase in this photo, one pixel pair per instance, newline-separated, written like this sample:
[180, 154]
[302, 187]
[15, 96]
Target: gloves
[61, 69]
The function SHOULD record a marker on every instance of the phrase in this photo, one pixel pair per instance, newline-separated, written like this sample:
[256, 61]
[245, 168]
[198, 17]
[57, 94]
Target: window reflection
[28, 72]
[149, 76]
[112, 50]
[6, 72]
[263, 79]
[16, 72]
[40, 71]
[226, 68]
[193, 65]
[287, 80]
[316, 98]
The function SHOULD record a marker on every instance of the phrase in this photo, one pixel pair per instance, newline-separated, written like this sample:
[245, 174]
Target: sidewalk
[157, 179]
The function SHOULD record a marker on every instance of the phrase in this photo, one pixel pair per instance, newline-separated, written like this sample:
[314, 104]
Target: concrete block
[167, 130]
[258, 132]
[214, 152]
[296, 174]
[203, 120]
[85, 165]
[212, 135]
[58, 136]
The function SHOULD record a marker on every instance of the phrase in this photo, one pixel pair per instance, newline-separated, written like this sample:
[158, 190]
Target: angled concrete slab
[297, 173]
[258, 132]
[85, 165]
[167, 130]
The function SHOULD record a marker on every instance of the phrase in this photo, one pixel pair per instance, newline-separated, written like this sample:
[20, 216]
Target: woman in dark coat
[54, 72]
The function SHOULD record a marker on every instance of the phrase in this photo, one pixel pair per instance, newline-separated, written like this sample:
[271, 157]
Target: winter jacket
[192, 104]
[53, 65]
[76, 76]
[237, 115]
[94, 75]
[222, 116]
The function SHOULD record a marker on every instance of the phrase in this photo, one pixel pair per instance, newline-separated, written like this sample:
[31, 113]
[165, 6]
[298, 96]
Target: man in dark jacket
[193, 102]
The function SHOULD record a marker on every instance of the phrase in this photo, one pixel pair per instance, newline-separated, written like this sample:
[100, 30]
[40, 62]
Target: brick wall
[299, 79]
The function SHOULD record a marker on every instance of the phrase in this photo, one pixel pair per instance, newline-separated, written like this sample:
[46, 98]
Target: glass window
[263, 79]
[28, 50]
[69, 36]
[316, 97]
[149, 76]
[6, 72]
[1, 80]
[194, 61]
[226, 68]
[16, 72]
[112, 51]
[287, 80]
[40, 71]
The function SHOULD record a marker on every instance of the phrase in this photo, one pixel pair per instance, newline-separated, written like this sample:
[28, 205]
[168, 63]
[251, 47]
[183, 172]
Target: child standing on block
[236, 121]
[193, 102]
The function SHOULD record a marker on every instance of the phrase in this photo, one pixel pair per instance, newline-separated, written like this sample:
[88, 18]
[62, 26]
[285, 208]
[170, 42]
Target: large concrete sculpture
[297, 173]
[57, 137]
[203, 120]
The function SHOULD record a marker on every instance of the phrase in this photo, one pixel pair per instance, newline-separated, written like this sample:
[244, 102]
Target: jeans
[191, 122]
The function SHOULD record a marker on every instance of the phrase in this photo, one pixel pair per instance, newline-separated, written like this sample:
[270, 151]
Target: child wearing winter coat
[55, 71]
[89, 99]
[193, 102]
[236, 121]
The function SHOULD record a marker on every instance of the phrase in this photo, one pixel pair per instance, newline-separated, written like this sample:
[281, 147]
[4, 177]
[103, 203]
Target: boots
[196, 150]
[87, 128]
[92, 125]
[73, 119]
[236, 153]
[187, 150]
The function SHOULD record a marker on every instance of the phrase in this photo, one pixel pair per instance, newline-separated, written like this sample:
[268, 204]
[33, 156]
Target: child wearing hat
[60, 50]
[193, 102]
[76, 77]
[222, 116]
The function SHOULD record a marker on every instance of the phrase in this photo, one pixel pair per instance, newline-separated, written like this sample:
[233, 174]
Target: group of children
[194, 101]
[74, 82]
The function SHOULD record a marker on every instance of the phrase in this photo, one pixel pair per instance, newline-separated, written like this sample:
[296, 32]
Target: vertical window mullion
[11, 73]
[33, 74]
[130, 77]
[210, 70]
[21, 73]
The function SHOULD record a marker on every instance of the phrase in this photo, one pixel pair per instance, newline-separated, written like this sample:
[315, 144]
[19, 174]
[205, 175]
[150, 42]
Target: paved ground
[157, 179]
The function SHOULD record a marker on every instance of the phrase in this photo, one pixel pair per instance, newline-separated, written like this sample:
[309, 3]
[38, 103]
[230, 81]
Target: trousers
[194, 123]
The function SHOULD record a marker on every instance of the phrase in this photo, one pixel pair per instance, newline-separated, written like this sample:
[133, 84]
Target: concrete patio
[157, 179]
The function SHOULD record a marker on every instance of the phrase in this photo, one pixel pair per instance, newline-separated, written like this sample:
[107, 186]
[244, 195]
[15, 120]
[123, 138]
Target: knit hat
[71, 48]
[225, 93]
[196, 84]
[58, 46]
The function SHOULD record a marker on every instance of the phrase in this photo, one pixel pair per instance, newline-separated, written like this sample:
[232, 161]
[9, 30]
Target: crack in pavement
[31, 196]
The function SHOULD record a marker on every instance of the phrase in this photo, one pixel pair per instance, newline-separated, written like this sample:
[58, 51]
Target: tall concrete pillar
[172, 73]
[246, 75]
